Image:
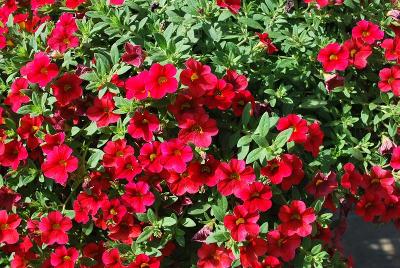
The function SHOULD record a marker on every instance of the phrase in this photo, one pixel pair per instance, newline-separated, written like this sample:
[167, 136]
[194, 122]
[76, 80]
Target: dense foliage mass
[195, 133]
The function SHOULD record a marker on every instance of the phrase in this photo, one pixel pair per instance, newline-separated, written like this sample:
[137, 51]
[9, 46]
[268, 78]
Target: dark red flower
[369, 207]
[242, 223]
[213, 256]
[250, 252]
[296, 219]
[125, 231]
[241, 99]
[220, 96]
[184, 104]
[282, 246]
[232, 5]
[144, 261]
[127, 168]
[271, 262]
[133, 55]
[197, 77]
[314, 140]
[102, 111]
[8, 227]
[67, 88]
[14, 152]
[238, 81]
[54, 228]
[379, 182]
[142, 125]
[266, 42]
[351, 178]
[334, 57]
[161, 80]
[322, 184]
[367, 31]
[205, 172]
[256, 197]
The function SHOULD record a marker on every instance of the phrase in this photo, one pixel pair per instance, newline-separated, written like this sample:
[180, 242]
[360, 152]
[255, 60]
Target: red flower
[112, 259]
[334, 57]
[296, 219]
[205, 172]
[185, 104]
[150, 157]
[379, 182]
[320, 3]
[54, 228]
[322, 184]
[234, 176]
[52, 141]
[358, 53]
[367, 31]
[72, 4]
[241, 99]
[212, 256]
[314, 140]
[271, 262]
[142, 125]
[67, 22]
[67, 88]
[29, 126]
[266, 42]
[40, 70]
[17, 97]
[250, 252]
[395, 160]
[175, 155]
[59, 163]
[113, 210]
[161, 80]
[299, 126]
[198, 78]
[102, 111]
[64, 258]
[138, 196]
[333, 81]
[369, 207]
[136, 86]
[232, 5]
[197, 129]
[390, 80]
[256, 197]
[181, 183]
[116, 2]
[133, 55]
[242, 223]
[351, 179]
[144, 261]
[13, 153]
[392, 48]
[283, 246]
[220, 96]
[61, 39]
[238, 81]
[115, 150]
[125, 231]
[127, 168]
[8, 227]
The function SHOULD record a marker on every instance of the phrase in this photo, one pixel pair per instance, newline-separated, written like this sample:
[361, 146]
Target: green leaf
[151, 216]
[145, 235]
[168, 221]
[219, 236]
[188, 222]
[254, 155]
[263, 126]
[95, 158]
[282, 138]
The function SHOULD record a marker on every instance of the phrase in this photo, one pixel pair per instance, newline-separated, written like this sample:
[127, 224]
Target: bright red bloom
[36, 4]
[334, 57]
[181, 183]
[390, 80]
[17, 97]
[115, 150]
[299, 126]
[8, 227]
[395, 160]
[271, 262]
[127, 168]
[14, 152]
[175, 155]
[185, 104]
[64, 258]
[54, 228]
[116, 2]
[256, 197]
[250, 252]
[392, 48]
[266, 42]
[220, 96]
[351, 179]
[102, 111]
[59, 163]
[241, 99]
[322, 184]
[125, 231]
[282, 246]
[232, 5]
[67, 22]
[67, 88]
[197, 129]
[62, 40]
[52, 141]
[144, 261]
[242, 223]
[379, 182]
[212, 256]
[277, 169]
[314, 140]
[238, 81]
[113, 210]
[136, 86]
[161, 80]
[205, 172]
[8, 198]
[367, 31]
[197, 77]
[296, 219]
[369, 207]
[150, 157]
[359, 53]
[138, 196]
[133, 55]
[112, 259]
[320, 3]
[72, 4]
[28, 127]
[40, 70]
[142, 125]
[234, 176]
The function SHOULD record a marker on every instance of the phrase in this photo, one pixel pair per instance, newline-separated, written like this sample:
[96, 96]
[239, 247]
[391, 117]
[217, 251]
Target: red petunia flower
[67, 88]
[133, 55]
[14, 152]
[395, 160]
[115, 150]
[102, 111]
[266, 42]
[64, 258]
[256, 197]
[175, 155]
[127, 168]
[390, 80]
[138, 196]
[392, 48]
[334, 57]
[113, 210]
[197, 129]
[94, 251]
[320, 3]
[242, 223]
[250, 252]
[213, 256]
[150, 157]
[351, 178]
[197, 77]
[142, 125]
[116, 2]
[61, 40]
[238, 81]
[220, 96]
[67, 21]
[296, 219]
[29, 126]
[136, 86]
[144, 261]
[36, 4]
[181, 183]
[282, 246]
[125, 231]
[8, 227]
[379, 182]
[234, 176]
[112, 259]
[40, 70]
[299, 126]
[241, 99]
[17, 97]
[72, 4]
[161, 80]
[54, 228]
[358, 53]
[322, 185]
[205, 172]
[369, 207]
[367, 31]
[59, 163]
[314, 140]
[232, 5]
[271, 262]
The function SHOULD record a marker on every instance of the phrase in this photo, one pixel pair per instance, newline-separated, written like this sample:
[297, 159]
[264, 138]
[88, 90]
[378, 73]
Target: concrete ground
[371, 245]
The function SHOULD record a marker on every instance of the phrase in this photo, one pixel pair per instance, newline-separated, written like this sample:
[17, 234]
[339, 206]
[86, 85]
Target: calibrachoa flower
[390, 80]
[242, 223]
[238, 81]
[282, 246]
[197, 77]
[8, 227]
[232, 5]
[392, 48]
[320, 3]
[367, 31]
[211, 255]
[314, 140]
[395, 160]
[136, 86]
[67, 88]
[17, 97]
[369, 207]
[220, 96]
[72, 4]
[358, 53]
[59, 163]
[54, 228]
[102, 111]
[40, 70]
[64, 258]
[256, 197]
[150, 157]
[138, 196]
[197, 129]
[112, 259]
[299, 126]
[266, 42]
[334, 57]
[322, 184]
[142, 260]
[13, 153]
[127, 168]
[234, 176]
[115, 150]
[161, 80]
[296, 219]
[133, 55]
[351, 179]
[175, 155]
[142, 125]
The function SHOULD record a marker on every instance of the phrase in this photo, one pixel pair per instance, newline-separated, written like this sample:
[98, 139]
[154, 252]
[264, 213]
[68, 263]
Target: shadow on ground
[372, 245]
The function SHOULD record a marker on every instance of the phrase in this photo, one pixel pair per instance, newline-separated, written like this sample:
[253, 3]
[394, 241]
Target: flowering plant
[195, 133]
